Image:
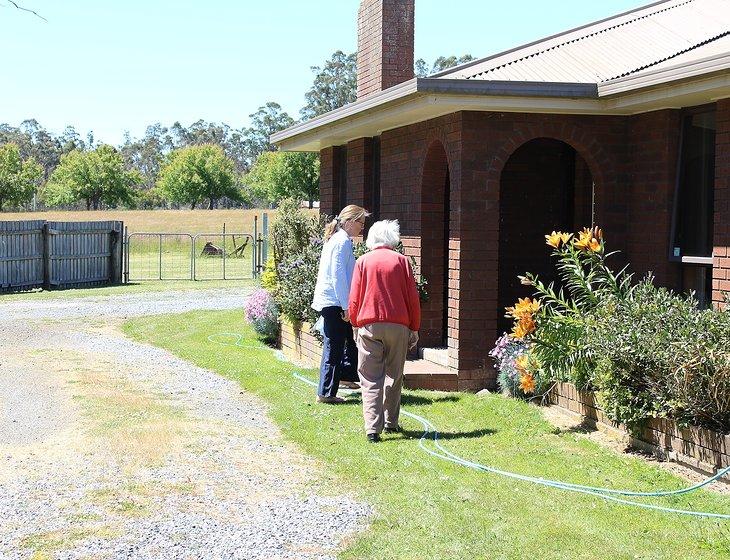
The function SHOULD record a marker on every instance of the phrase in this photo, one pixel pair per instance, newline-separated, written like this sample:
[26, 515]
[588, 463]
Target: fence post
[254, 265]
[116, 250]
[224, 250]
[160, 248]
[46, 257]
[265, 244]
[125, 256]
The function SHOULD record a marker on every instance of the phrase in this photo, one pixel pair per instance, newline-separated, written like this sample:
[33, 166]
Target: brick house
[624, 123]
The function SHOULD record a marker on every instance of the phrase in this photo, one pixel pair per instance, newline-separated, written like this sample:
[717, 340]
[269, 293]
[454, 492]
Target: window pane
[694, 207]
[698, 279]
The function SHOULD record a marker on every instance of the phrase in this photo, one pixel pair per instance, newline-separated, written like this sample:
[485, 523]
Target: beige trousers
[381, 353]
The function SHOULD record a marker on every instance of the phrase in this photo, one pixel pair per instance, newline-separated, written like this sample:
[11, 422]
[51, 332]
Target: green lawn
[427, 508]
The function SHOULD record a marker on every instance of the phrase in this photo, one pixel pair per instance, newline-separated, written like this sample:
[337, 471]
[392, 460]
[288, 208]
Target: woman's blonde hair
[348, 213]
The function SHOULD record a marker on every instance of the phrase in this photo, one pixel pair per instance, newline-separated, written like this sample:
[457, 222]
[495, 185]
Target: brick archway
[435, 233]
[545, 185]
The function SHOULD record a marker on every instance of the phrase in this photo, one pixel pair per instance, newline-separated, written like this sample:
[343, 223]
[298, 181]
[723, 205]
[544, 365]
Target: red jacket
[383, 290]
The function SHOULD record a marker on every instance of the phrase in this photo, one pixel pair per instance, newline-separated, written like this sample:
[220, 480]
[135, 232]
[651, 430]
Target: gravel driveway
[114, 449]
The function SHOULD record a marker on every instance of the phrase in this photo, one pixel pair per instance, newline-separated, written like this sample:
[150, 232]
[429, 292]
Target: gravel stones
[114, 449]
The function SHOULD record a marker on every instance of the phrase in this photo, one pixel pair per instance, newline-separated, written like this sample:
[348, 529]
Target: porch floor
[424, 374]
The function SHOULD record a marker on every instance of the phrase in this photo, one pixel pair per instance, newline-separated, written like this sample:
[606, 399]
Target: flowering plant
[260, 310]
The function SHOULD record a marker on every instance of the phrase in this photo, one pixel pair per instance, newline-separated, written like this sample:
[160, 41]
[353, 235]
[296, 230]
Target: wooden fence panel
[60, 254]
[21, 254]
[84, 253]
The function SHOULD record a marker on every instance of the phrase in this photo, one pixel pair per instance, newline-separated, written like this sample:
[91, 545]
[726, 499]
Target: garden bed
[697, 448]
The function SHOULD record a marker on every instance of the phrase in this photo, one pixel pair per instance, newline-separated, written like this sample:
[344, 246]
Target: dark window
[692, 230]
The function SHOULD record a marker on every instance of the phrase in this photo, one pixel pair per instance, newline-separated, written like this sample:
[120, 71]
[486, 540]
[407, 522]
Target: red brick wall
[652, 174]
[360, 172]
[385, 30]
[721, 253]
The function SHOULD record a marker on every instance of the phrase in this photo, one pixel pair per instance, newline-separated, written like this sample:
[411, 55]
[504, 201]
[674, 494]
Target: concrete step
[438, 356]
[424, 374]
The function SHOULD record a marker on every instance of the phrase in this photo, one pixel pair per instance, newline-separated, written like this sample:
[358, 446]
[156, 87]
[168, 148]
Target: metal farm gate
[202, 256]
[41, 254]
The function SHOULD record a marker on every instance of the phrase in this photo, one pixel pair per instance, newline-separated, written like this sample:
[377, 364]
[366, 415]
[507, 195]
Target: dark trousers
[339, 353]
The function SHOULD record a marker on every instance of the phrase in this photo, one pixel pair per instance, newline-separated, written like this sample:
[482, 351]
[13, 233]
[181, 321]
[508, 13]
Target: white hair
[385, 233]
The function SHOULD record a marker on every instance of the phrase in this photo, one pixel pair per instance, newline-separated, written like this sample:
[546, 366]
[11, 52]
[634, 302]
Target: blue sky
[114, 66]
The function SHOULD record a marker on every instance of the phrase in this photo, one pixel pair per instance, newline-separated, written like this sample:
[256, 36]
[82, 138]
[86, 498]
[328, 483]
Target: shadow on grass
[418, 400]
[416, 434]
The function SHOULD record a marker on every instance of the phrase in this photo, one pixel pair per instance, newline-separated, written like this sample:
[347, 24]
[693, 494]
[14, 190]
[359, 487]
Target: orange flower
[523, 307]
[525, 325]
[527, 383]
[557, 238]
[589, 240]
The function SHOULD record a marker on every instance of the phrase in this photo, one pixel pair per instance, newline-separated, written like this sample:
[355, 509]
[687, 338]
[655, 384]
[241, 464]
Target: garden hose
[446, 455]
[604, 493]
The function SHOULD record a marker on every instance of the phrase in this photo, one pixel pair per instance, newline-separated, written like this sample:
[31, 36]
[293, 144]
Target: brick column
[721, 252]
[360, 172]
[329, 181]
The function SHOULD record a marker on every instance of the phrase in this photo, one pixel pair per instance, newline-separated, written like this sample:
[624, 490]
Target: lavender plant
[260, 310]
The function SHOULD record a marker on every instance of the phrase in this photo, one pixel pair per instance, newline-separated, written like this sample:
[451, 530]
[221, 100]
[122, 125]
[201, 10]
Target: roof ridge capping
[671, 5]
[669, 57]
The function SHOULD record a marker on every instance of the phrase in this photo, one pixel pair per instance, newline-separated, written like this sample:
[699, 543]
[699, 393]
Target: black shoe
[393, 430]
[373, 438]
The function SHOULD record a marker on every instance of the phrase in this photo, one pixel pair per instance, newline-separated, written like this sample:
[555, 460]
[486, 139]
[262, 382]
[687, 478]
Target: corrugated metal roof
[665, 33]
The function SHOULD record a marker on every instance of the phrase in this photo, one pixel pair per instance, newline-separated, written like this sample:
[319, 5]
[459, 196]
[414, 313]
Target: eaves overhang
[422, 99]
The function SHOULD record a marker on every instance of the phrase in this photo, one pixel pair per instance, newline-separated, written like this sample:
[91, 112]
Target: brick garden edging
[698, 448]
[299, 345]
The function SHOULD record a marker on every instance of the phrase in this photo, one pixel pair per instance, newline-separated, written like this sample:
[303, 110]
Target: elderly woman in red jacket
[384, 305]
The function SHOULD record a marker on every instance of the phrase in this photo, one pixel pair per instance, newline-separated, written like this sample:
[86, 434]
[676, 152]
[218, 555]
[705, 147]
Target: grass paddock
[173, 221]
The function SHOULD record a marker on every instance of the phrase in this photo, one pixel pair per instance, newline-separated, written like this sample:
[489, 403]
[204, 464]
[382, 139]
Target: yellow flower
[521, 364]
[557, 238]
[524, 326]
[523, 307]
[553, 239]
[527, 383]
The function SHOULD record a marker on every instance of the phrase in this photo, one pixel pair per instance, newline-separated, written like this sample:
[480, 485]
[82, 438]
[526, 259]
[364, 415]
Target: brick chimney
[384, 44]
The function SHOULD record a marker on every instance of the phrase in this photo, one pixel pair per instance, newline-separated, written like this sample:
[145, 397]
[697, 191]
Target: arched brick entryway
[435, 209]
[545, 185]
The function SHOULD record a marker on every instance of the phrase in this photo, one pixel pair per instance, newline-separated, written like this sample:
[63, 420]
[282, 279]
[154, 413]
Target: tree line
[206, 163]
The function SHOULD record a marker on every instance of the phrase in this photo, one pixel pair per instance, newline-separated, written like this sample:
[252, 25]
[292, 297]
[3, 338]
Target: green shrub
[646, 351]
[658, 355]
[296, 245]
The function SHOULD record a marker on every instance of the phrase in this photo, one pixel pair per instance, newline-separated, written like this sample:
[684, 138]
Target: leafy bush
[296, 243]
[261, 312]
[421, 283]
[658, 355]
[645, 351]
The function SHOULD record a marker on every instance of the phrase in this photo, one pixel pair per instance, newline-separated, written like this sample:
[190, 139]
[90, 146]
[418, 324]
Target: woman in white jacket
[339, 353]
